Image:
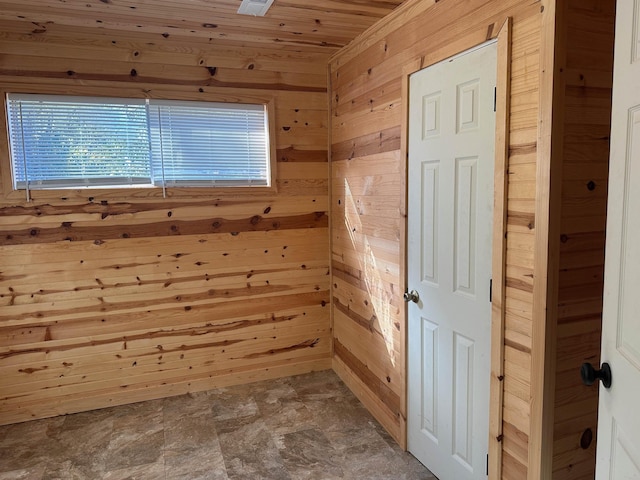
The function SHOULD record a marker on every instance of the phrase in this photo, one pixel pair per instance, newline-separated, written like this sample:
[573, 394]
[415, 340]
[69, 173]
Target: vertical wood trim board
[546, 251]
[404, 167]
[499, 254]
[368, 180]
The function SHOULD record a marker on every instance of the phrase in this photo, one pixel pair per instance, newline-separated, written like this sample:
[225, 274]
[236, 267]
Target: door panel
[463, 399]
[429, 215]
[618, 450]
[429, 376]
[451, 160]
[465, 225]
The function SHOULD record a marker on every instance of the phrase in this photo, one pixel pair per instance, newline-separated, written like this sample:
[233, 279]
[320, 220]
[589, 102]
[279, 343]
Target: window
[71, 142]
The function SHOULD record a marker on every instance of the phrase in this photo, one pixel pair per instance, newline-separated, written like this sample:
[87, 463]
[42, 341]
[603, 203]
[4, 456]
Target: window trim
[9, 194]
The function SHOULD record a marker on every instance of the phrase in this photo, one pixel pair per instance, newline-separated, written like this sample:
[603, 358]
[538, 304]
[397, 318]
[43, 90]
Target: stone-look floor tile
[339, 413]
[189, 431]
[229, 404]
[308, 454]
[292, 416]
[79, 446]
[27, 433]
[188, 403]
[376, 460]
[319, 385]
[282, 410]
[138, 436]
[406, 462]
[356, 437]
[204, 463]
[272, 397]
[20, 457]
[70, 470]
[249, 450]
[140, 416]
[152, 471]
[385, 436]
[75, 460]
[34, 472]
[131, 449]
[373, 461]
[25, 445]
[192, 449]
[303, 427]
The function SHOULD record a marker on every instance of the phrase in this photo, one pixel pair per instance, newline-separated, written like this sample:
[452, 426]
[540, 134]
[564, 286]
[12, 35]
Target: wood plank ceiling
[303, 25]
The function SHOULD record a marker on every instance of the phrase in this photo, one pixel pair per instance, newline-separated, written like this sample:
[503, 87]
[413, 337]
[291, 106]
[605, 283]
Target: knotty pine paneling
[324, 26]
[116, 296]
[586, 105]
[368, 192]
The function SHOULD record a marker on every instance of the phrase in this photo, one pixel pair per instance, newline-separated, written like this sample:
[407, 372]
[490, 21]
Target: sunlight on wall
[379, 296]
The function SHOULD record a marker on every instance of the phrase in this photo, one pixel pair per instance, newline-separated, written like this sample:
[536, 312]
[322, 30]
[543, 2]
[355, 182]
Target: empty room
[336, 239]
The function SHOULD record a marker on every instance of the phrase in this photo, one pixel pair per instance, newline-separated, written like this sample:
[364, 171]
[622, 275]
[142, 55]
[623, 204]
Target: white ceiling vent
[254, 7]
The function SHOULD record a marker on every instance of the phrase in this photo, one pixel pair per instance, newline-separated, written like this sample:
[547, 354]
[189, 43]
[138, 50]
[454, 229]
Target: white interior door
[451, 167]
[618, 451]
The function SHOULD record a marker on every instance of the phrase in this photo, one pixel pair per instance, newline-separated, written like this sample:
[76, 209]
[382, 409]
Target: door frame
[503, 89]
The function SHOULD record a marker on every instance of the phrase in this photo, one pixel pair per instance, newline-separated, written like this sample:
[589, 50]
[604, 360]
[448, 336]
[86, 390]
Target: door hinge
[487, 464]
[490, 290]
[495, 98]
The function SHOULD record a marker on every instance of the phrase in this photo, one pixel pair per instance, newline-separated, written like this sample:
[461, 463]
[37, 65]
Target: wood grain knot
[586, 438]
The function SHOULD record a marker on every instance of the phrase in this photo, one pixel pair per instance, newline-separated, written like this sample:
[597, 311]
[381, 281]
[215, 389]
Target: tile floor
[304, 427]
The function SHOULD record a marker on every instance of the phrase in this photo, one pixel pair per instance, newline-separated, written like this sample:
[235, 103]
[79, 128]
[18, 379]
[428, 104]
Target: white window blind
[70, 142]
[59, 142]
[204, 144]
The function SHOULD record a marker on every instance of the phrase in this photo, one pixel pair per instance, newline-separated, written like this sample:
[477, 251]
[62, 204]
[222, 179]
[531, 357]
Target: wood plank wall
[368, 201]
[588, 33]
[115, 296]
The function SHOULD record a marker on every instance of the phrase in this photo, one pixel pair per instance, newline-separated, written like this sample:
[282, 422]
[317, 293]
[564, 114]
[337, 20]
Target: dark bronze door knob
[590, 375]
